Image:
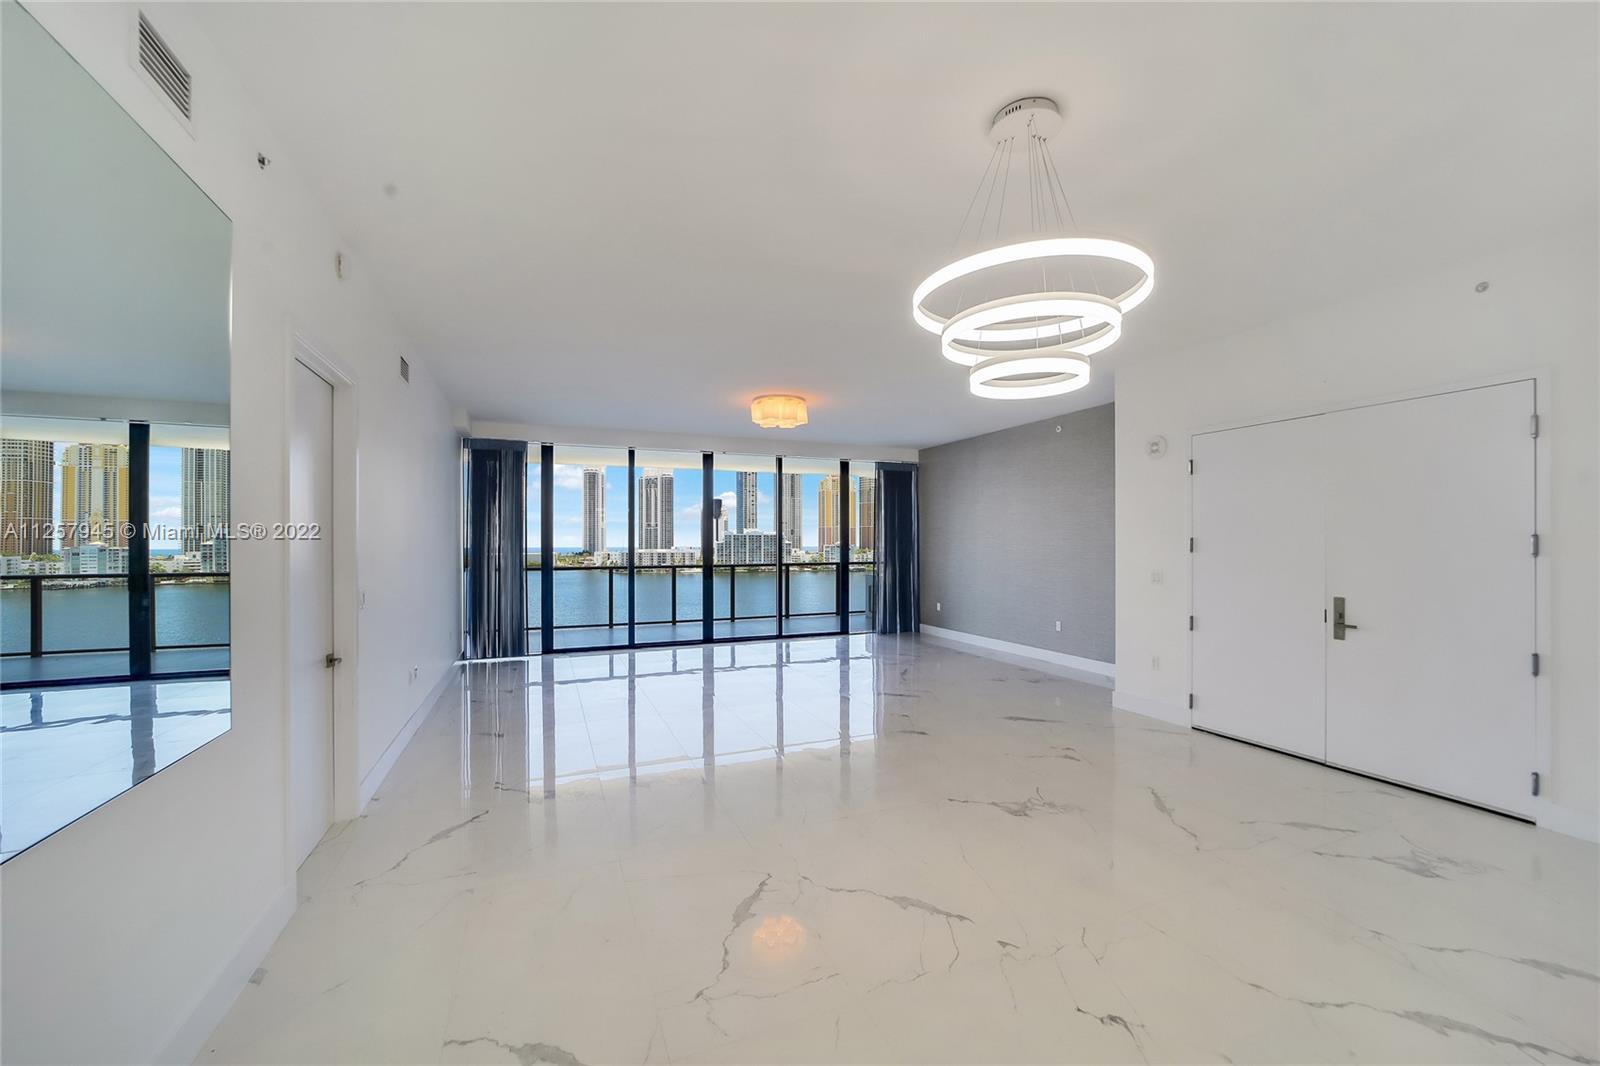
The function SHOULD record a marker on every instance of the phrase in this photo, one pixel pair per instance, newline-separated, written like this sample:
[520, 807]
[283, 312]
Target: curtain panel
[898, 600]
[496, 582]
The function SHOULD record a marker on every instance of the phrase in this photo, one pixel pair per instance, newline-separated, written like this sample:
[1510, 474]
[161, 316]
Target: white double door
[1419, 516]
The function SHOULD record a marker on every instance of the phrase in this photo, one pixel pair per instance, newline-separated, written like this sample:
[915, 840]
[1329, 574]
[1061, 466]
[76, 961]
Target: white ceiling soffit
[646, 215]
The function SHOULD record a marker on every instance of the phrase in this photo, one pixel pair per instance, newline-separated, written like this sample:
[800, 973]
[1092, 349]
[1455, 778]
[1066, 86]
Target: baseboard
[189, 1038]
[1107, 671]
[380, 769]
[1568, 821]
[1151, 707]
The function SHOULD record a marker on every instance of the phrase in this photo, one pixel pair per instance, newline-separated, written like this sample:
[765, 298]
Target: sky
[568, 509]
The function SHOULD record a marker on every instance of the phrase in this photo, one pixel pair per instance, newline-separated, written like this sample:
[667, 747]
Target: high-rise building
[719, 519]
[791, 511]
[752, 548]
[204, 503]
[655, 509]
[834, 513]
[94, 494]
[594, 509]
[866, 513]
[746, 496]
[828, 512]
[27, 496]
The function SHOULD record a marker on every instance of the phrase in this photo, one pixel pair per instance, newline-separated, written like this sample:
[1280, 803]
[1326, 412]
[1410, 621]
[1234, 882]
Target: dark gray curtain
[899, 594]
[497, 509]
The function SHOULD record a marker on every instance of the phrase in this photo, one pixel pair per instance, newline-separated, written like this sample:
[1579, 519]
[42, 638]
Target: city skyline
[64, 483]
[573, 483]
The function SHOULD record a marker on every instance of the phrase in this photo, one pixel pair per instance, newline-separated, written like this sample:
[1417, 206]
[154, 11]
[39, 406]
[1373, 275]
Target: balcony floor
[689, 632]
[67, 666]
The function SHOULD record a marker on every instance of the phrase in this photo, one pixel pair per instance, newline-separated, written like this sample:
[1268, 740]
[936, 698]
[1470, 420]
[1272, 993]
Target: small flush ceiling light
[778, 412]
[1026, 309]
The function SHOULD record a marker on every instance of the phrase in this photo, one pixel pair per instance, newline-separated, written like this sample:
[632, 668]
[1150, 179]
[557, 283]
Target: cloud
[728, 500]
[568, 476]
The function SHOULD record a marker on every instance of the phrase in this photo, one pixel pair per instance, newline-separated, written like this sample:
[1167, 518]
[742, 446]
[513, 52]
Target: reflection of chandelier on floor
[1026, 316]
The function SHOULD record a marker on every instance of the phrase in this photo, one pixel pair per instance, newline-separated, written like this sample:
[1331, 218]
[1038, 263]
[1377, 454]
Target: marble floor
[66, 750]
[868, 849]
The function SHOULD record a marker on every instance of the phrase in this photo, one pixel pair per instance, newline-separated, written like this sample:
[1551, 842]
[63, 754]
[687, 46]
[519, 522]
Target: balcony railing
[83, 613]
[681, 602]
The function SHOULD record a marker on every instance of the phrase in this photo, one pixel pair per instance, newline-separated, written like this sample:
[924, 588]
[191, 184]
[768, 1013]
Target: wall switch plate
[938, 606]
[1058, 625]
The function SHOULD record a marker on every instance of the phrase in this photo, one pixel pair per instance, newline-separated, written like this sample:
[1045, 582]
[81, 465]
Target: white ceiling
[641, 216]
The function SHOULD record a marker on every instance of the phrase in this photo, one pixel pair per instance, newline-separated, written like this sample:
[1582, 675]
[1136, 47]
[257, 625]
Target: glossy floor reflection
[65, 751]
[866, 849]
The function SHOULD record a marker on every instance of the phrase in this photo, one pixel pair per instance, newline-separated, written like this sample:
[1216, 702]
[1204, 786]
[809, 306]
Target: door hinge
[1535, 664]
[1533, 426]
[1191, 701]
[1191, 623]
[1536, 545]
[1191, 545]
[1191, 466]
[1536, 782]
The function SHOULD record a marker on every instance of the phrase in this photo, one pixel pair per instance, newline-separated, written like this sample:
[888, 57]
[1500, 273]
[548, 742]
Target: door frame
[345, 594]
[1541, 377]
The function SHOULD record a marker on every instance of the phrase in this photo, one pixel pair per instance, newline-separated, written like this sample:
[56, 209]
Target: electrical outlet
[1155, 662]
[1058, 625]
[1157, 577]
[938, 606]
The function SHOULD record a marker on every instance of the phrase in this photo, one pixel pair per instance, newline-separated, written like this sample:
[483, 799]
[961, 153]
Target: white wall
[1539, 313]
[124, 936]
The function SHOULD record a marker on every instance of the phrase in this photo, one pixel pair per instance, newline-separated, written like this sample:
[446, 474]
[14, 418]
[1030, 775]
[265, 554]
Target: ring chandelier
[1027, 344]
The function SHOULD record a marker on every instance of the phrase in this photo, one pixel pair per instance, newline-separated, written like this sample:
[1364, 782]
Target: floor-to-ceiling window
[64, 549]
[631, 547]
[668, 557]
[534, 539]
[189, 493]
[811, 525]
[589, 579]
[746, 556]
[863, 540]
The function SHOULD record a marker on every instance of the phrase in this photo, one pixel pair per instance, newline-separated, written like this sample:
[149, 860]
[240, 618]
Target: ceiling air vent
[405, 369]
[158, 61]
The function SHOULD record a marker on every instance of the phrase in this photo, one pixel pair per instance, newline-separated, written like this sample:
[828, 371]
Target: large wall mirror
[114, 485]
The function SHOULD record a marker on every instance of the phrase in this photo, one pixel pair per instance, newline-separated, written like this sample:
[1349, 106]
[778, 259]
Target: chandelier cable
[994, 155]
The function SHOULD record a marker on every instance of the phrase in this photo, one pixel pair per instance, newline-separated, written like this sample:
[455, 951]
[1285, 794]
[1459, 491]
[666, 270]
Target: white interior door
[1430, 512]
[1257, 650]
[311, 612]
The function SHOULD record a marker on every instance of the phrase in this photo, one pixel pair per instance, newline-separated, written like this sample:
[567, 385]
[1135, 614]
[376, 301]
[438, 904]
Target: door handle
[1340, 626]
[331, 660]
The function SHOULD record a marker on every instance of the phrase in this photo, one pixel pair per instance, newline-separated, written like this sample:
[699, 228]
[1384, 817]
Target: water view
[84, 617]
[581, 594]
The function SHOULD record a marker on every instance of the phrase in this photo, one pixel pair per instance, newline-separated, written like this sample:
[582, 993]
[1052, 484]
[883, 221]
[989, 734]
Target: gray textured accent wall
[1018, 530]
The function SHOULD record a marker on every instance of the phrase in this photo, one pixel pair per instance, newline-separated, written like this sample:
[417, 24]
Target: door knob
[1340, 626]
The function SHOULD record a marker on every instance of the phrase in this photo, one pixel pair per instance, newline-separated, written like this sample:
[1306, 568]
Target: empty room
[598, 533]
